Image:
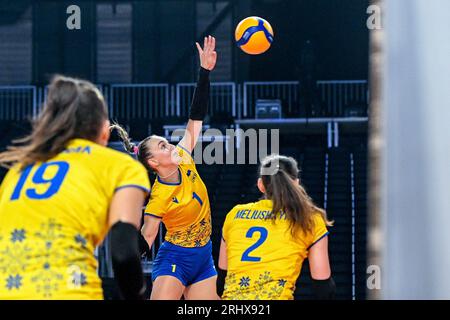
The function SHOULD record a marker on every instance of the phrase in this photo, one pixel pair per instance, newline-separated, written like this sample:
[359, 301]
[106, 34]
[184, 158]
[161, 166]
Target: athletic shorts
[189, 265]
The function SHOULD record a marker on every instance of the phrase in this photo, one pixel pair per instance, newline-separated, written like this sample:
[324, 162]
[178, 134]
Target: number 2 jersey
[264, 260]
[54, 214]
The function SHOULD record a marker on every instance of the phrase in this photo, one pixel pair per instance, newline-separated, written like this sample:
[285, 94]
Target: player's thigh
[203, 290]
[167, 288]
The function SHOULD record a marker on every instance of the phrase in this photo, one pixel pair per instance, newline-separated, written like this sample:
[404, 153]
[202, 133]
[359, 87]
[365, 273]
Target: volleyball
[254, 35]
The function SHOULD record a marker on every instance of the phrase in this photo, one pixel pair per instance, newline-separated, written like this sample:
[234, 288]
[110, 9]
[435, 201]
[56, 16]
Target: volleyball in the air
[254, 35]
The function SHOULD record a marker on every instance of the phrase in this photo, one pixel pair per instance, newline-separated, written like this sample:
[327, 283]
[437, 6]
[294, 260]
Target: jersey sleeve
[320, 230]
[156, 207]
[131, 174]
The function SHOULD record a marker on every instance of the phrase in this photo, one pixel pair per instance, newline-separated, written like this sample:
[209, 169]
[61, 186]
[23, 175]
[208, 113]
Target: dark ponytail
[128, 145]
[142, 150]
[287, 195]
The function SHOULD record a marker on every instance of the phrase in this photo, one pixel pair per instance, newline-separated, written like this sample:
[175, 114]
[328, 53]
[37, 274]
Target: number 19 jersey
[54, 214]
[264, 259]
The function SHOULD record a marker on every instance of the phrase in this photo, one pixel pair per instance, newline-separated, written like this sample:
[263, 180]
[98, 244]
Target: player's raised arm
[199, 106]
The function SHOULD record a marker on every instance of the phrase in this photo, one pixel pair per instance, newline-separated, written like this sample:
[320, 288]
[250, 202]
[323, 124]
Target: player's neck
[169, 175]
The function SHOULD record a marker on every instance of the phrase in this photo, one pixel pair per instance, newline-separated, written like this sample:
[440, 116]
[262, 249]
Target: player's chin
[175, 158]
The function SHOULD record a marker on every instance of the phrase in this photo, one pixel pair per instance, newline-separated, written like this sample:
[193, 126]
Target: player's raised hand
[208, 55]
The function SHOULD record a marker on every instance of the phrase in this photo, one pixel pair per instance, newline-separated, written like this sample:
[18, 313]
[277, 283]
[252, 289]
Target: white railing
[337, 95]
[286, 91]
[142, 101]
[18, 102]
[338, 98]
[222, 98]
[43, 92]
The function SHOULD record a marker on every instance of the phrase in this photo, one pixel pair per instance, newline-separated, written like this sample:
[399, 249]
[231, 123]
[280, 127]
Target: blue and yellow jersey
[183, 207]
[54, 214]
[264, 260]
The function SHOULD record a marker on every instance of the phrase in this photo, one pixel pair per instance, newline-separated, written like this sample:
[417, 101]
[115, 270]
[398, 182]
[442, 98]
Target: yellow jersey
[264, 260]
[183, 207]
[54, 214]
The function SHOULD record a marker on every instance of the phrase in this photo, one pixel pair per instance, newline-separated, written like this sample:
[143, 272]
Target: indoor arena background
[311, 85]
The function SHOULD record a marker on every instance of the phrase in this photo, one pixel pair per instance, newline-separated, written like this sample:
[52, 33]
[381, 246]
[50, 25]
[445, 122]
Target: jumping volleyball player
[62, 194]
[265, 243]
[184, 263]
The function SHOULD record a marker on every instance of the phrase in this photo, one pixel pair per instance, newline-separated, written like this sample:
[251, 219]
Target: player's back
[264, 259]
[53, 214]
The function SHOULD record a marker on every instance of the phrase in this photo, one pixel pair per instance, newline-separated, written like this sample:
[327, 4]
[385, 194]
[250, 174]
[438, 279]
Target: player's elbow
[146, 234]
[324, 289]
[223, 264]
[122, 257]
[223, 259]
[149, 232]
[126, 261]
[124, 244]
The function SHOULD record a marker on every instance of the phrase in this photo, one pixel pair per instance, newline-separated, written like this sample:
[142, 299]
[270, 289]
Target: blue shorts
[189, 265]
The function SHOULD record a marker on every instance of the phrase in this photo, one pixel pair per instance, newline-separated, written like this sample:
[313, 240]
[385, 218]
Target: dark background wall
[336, 29]
[163, 33]
[57, 49]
